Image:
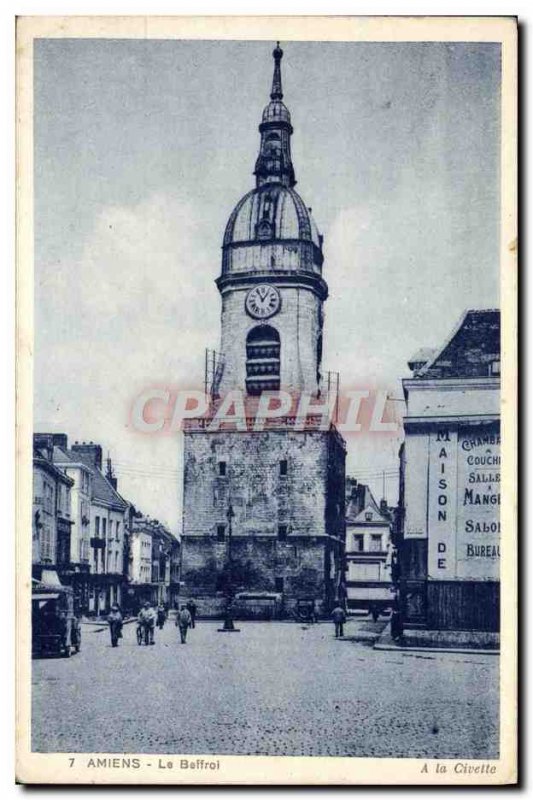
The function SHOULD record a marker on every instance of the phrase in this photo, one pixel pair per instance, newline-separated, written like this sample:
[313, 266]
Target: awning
[50, 577]
[46, 596]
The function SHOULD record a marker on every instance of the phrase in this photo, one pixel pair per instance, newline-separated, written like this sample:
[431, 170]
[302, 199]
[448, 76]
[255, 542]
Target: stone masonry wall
[262, 500]
[260, 497]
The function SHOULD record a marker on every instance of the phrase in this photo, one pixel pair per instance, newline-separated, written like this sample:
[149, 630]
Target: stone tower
[277, 494]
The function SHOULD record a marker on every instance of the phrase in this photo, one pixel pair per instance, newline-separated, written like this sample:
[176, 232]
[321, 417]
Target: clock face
[263, 301]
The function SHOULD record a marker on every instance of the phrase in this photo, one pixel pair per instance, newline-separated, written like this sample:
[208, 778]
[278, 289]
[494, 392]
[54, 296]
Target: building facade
[51, 519]
[74, 568]
[154, 563]
[266, 505]
[90, 537]
[108, 521]
[450, 482]
[368, 550]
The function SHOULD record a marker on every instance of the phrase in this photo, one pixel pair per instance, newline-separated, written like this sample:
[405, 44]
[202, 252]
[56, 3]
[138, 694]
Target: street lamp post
[228, 626]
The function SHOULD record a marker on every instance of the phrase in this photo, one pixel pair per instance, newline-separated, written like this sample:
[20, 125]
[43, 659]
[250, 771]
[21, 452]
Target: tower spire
[276, 93]
[274, 163]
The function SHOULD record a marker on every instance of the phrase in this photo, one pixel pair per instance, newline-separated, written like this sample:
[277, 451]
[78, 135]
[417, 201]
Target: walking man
[339, 618]
[183, 621]
[191, 607]
[161, 616]
[115, 625]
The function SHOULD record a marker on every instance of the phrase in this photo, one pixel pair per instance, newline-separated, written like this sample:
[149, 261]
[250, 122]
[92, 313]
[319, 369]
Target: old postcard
[266, 400]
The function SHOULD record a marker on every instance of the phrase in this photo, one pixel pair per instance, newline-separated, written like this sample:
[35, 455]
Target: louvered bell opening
[262, 360]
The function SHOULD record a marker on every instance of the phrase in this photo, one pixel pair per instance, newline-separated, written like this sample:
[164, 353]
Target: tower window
[221, 532]
[222, 468]
[283, 468]
[282, 532]
[262, 360]
[264, 229]
[279, 584]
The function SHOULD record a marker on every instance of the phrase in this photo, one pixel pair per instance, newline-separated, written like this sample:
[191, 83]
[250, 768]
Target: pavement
[272, 689]
[438, 642]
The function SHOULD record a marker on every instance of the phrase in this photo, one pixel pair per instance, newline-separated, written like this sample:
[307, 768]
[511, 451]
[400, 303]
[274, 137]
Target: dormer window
[264, 229]
[368, 516]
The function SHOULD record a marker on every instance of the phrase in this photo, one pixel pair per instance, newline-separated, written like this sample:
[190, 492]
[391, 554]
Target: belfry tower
[276, 494]
[271, 283]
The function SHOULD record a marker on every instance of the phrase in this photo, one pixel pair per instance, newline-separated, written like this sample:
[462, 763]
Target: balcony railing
[97, 543]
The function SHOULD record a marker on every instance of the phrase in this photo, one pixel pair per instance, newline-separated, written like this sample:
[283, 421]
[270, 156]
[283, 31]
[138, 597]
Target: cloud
[139, 307]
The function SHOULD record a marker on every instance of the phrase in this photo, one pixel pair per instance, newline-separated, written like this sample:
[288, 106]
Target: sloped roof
[41, 459]
[153, 527]
[421, 357]
[356, 507]
[471, 348]
[377, 515]
[102, 489]
[62, 456]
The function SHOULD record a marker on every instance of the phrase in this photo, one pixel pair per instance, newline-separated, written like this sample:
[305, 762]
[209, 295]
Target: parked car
[55, 628]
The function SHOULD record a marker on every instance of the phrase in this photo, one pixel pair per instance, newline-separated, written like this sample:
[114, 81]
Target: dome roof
[275, 111]
[271, 211]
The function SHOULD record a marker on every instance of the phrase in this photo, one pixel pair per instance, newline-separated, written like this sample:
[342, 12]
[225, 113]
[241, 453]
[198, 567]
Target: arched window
[272, 143]
[262, 360]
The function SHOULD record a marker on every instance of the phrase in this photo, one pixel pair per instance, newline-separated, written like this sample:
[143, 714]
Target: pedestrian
[161, 616]
[115, 625]
[396, 625]
[339, 618]
[191, 608]
[183, 621]
[147, 618]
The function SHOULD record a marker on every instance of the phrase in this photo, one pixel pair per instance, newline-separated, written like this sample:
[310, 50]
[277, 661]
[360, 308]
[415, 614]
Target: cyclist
[146, 619]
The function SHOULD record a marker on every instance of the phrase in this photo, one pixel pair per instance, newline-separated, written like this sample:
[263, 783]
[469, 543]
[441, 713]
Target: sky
[143, 148]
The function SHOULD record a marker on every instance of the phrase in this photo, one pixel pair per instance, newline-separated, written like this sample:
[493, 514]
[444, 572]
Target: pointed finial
[276, 93]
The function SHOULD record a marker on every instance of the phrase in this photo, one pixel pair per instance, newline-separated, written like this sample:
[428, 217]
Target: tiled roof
[470, 350]
[363, 500]
[102, 489]
[153, 527]
[62, 456]
[421, 357]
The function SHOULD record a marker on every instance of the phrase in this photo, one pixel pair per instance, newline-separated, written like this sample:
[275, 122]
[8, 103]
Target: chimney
[44, 441]
[109, 474]
[60, 440]
[94, 451]
[383, 507]
[353, 488]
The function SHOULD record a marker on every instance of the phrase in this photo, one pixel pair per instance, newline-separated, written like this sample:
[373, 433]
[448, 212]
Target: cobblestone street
[272, 689]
